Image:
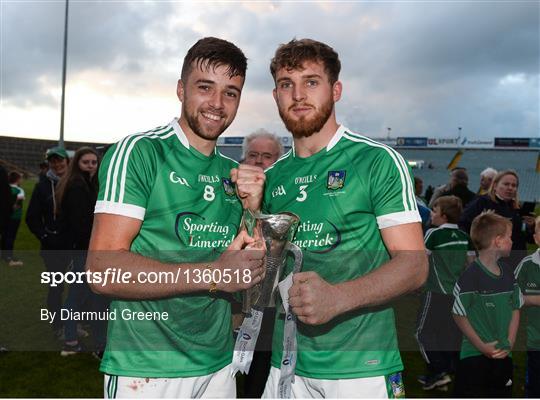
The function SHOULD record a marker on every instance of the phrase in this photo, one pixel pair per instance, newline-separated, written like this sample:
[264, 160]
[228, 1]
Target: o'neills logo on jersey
[208, 178]
[195, 231]
[317, 237]
[305, 179]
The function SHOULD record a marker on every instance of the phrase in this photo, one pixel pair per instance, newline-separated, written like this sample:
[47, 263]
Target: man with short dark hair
[166, 205]
[360, 234]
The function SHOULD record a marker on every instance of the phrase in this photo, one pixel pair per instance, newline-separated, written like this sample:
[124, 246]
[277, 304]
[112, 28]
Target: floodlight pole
[61, 139]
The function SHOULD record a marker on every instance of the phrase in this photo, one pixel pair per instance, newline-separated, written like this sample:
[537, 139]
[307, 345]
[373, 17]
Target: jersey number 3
[303, 193]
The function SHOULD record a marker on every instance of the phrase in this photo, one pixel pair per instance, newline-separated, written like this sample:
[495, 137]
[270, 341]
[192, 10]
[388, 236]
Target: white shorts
[380, 387]
[220, 384]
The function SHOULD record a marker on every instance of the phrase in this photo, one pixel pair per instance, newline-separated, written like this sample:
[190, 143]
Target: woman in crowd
[503, 199]
[77, 194]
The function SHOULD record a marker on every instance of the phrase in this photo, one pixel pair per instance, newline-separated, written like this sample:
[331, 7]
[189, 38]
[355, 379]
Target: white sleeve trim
[399, 218]
[126, 210]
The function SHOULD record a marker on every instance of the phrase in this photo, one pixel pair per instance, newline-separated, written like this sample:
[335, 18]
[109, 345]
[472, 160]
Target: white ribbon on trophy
[276, 231]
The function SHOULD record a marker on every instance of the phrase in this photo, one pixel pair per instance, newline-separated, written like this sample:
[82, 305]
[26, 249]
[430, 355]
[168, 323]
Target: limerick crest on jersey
[336, 180]
[228, 186]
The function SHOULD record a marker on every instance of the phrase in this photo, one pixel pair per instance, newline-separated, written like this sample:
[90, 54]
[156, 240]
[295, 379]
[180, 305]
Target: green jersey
[488, 301]
[17, 197]
[447, 247]
[528, 278]
[189, 213]
[343, 195]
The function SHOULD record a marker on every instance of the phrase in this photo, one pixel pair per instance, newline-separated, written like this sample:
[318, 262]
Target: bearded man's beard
[305, 127]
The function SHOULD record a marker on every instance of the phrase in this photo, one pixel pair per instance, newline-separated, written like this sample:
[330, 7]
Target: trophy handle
[297, 254]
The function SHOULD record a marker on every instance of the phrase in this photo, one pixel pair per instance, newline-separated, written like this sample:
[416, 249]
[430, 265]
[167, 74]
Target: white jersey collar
[180, 133]
[449, 226]
[337, 136]
[536, 257]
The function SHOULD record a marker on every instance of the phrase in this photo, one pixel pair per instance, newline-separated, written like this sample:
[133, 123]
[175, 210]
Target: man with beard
[360, 234]
[168, 209]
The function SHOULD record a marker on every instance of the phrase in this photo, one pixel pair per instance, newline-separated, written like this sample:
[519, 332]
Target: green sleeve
[126, 177]
[391, 187]
[463, 295]
[517, 298]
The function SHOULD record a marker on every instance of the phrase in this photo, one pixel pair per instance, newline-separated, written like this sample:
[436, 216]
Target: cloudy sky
[422, 68]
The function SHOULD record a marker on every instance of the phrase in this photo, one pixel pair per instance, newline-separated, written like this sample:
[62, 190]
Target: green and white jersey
[17, 197]
[189, 213]
[447, 247]
[488, 301]
[344, 195]
[528, 278]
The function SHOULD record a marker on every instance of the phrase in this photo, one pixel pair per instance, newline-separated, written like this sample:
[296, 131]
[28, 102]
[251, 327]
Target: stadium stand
[25, 154]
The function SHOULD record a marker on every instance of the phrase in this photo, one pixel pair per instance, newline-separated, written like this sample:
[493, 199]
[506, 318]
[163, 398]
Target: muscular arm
[407, 270]
[317, 301]
[109, 248]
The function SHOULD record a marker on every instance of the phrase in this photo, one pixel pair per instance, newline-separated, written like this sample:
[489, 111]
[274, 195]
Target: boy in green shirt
[450, 250]
[486, 309]
[528, 277]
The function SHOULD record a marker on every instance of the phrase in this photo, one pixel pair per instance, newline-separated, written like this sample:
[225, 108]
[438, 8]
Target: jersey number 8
[209, 193]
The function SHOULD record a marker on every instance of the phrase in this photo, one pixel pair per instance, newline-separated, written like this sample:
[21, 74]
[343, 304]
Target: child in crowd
[13, 222]
[528, 278]
[486, 309]
[450, 250]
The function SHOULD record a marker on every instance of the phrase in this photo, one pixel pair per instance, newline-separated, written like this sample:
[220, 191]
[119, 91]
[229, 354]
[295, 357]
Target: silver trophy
[275, 232]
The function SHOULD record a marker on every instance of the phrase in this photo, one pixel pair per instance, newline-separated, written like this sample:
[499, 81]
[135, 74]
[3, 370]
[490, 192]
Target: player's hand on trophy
[243, 264]
[249, 181]
[313, 300]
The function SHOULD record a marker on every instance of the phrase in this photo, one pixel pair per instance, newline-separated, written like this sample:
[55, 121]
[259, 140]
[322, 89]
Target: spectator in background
[450, 250]
[5, 210]
[14, 220]
[418, 189]
[43, 222]
[486, 310]
[457, 186]
[429, 193]
[43, 168]
[503, 199]
[528, 277]
[262, 148]
[486, 177]
[77, 194]
[425, 212]
[6, 201]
